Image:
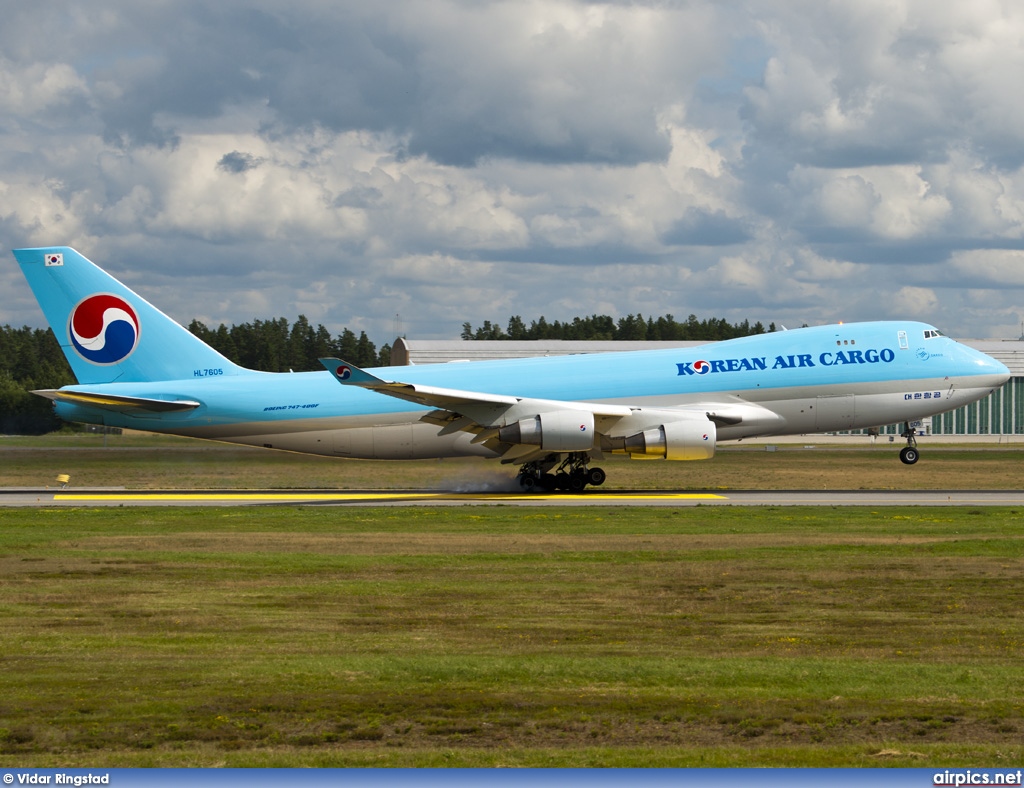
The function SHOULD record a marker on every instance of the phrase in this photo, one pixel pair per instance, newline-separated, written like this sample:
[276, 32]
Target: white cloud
[915, 302]
[985, 200]
[39, 211]
[30, 90]
[893, 202]
[990, 268]
[848, 200]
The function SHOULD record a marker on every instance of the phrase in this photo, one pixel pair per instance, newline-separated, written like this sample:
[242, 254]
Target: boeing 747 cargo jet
[552, 417]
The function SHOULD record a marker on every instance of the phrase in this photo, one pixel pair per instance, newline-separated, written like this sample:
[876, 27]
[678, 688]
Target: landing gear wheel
[572, 474]
[910, 454]
[527, 483]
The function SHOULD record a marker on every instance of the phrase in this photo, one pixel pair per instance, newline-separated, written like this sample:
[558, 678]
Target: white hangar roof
[427, 351]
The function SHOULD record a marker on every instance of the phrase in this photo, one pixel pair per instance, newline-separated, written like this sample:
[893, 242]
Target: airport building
[999, 414]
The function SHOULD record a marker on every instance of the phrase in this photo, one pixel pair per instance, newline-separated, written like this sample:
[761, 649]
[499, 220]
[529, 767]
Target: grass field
[506, 636]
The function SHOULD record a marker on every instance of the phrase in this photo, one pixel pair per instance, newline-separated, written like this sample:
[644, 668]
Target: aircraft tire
[527, 483]
[577, 482]
[596, 476]
[909, 455]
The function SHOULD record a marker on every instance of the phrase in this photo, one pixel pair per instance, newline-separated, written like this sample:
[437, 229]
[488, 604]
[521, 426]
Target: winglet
[351, 375]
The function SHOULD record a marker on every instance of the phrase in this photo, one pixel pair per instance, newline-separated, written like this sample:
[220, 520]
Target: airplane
[550, 416]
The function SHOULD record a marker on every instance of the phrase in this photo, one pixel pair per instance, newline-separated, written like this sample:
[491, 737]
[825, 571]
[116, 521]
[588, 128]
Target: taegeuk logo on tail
[104, 329]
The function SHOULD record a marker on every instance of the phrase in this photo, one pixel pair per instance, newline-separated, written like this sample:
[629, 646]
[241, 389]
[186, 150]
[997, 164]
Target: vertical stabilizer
[108, 332]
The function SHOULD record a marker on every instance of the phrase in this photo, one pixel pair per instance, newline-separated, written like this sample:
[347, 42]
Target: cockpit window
[931, 333]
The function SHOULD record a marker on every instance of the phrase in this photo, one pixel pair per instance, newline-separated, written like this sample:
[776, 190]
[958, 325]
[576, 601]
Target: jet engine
[561, 430]
[689, 439]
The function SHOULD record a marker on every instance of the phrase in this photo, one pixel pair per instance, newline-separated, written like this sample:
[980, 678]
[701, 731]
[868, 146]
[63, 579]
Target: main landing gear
[573, 474]
[909, 453]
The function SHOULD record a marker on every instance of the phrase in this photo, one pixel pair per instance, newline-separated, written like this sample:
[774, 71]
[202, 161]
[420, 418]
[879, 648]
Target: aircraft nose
[984, 364]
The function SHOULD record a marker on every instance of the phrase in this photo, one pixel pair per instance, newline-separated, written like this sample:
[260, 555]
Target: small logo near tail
[104, 329]
[343, 372]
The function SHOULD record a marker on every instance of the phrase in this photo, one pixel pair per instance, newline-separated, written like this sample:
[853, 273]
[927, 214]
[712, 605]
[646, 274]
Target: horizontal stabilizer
[117, 401]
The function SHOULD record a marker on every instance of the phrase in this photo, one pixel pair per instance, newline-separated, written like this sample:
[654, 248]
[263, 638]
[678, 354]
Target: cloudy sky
[795, 161]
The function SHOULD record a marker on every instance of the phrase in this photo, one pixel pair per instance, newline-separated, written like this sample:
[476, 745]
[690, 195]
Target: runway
[119, 497]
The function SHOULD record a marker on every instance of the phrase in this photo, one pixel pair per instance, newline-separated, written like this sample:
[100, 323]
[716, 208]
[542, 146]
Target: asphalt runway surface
[50, 497]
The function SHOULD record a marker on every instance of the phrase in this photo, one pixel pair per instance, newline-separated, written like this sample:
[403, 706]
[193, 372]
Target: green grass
[321, 636]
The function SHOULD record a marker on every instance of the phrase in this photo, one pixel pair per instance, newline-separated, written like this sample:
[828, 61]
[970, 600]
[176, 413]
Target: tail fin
[107, 332]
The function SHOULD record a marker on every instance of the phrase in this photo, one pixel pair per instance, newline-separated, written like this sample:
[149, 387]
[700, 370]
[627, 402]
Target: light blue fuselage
[816, 379]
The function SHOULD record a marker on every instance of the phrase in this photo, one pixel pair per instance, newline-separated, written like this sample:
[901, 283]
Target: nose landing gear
[909, 453]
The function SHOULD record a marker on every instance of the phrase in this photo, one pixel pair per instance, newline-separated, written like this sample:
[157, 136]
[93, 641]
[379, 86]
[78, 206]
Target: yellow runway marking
[235, 496]
[380, 496]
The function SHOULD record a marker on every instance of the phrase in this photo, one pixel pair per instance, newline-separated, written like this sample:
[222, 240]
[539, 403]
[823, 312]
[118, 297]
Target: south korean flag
[54, 259]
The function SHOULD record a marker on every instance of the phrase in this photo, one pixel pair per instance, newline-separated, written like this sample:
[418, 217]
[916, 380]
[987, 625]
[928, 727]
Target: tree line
[29, 359]
[629, 328]
[275, 346]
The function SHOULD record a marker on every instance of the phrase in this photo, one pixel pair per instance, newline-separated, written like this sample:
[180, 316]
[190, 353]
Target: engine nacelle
[560, 430]
[689, 439]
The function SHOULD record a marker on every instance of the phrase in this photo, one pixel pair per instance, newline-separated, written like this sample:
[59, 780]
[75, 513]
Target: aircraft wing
[472, 411]
[118, 402]
[504, 423]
